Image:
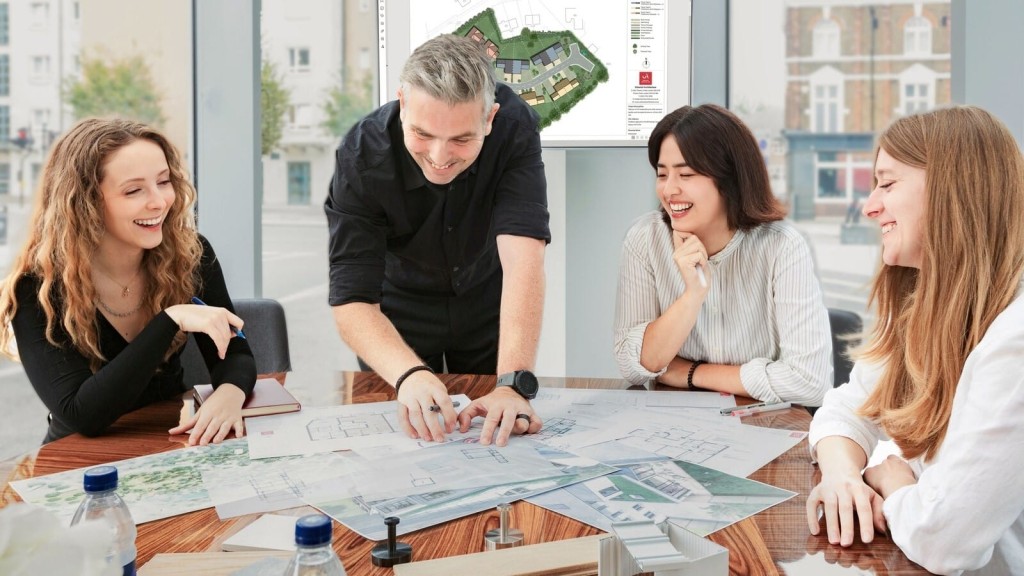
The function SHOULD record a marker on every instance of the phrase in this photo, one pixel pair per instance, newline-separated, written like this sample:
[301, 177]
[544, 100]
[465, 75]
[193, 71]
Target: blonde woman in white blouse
[716, 291]
[942, 375]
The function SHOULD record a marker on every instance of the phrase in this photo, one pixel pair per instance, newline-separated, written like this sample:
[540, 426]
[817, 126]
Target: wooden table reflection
[775, 541]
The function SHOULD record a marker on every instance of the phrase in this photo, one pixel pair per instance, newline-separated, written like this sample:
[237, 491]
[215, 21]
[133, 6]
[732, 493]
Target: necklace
[125, 288]
[117, 314]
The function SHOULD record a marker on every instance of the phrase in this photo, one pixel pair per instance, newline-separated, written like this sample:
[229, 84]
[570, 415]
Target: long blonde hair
[929, 320]
[66, 228]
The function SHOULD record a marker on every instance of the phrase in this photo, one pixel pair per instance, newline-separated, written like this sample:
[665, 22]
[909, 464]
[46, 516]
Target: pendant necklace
[125, 288]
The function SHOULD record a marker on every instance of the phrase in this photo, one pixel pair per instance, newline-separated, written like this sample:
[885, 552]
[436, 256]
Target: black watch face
[526, 384]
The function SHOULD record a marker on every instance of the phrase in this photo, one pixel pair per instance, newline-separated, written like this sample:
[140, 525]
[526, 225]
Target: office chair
[267, 333]
[842, 323]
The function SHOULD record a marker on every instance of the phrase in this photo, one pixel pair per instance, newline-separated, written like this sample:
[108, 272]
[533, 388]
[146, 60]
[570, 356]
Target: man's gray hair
[452, 69]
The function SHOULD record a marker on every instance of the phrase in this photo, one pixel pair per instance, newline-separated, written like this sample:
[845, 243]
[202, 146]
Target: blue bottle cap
[313, 530]
[100, 479]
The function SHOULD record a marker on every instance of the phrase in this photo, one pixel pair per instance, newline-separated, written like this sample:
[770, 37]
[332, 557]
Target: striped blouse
[763, 312]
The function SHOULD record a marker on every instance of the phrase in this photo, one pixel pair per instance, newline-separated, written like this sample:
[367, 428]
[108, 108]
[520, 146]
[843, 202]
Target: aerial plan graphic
[552, 70]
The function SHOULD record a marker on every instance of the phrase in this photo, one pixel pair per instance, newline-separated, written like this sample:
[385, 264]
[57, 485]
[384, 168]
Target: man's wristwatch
[522, 381]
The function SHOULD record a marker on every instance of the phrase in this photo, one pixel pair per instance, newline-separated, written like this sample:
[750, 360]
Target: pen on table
[238, 332]
[750, 411]
[436, 408]
[731, 409]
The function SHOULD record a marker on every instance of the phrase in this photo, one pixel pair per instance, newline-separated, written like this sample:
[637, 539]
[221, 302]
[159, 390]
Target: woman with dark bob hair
[716, 291]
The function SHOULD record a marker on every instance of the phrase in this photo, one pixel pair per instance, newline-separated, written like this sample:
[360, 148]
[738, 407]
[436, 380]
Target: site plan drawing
[551, 70]
[593, 71]
[700, 499]
[319, 429]
[154, 486]
[418, 511]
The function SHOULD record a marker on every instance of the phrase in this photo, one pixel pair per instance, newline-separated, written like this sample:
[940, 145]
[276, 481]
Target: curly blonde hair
[66, 228]
[972, 246]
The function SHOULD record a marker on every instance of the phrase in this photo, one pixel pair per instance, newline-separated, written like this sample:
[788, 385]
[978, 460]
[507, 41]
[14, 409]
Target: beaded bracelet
[689, 375]
[410, 372]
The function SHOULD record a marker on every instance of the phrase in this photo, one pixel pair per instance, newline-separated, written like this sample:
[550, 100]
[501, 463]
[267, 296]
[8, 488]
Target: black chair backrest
[266, 331]
[843, 322]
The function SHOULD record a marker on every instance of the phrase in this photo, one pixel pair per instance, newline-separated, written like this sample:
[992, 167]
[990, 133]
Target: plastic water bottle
[314, 555]
[103, 503]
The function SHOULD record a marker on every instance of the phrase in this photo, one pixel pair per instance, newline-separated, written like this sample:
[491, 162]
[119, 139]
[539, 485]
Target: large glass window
[823, 96]
[319, 76]
[61, 60]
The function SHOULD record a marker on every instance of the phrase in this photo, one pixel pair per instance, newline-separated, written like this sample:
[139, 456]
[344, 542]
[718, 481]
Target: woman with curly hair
[98, 298]
[940, 373]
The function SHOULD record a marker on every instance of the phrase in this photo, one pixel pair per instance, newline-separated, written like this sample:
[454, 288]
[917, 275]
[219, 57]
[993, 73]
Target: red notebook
[268, 397]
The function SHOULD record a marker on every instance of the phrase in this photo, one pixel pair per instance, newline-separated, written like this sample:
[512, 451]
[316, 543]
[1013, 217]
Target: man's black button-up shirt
[387, 220]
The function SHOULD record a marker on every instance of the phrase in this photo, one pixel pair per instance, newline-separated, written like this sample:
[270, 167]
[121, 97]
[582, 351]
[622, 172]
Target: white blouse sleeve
[803, 371]
[970, 495]
[636, 306]
[838, 414]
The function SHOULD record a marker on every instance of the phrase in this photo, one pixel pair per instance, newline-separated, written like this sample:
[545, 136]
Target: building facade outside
[316, 47]
[39, 45]
[852, 67]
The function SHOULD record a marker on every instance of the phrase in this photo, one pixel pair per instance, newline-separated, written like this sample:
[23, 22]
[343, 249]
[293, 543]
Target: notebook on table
[268, 397]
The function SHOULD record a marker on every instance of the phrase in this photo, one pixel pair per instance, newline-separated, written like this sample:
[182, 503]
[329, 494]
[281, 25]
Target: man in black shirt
[438, 225]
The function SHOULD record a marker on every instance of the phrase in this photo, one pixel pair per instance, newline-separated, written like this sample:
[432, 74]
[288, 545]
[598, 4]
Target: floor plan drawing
[452, 466]
[348, 427]
[320, 429]
[712, 440]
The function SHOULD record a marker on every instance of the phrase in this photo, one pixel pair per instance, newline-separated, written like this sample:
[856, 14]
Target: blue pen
[238, 332]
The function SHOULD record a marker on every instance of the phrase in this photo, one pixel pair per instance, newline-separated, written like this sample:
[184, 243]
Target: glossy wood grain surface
[773, 542]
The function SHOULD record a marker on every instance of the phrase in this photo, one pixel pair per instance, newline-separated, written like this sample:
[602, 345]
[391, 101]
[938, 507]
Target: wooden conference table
[775, 541]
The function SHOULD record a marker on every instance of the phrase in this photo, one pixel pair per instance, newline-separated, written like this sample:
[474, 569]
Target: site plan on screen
[592, 70]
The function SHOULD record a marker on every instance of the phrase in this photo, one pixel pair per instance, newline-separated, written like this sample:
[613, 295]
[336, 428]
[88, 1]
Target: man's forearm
[522, 307]
[373, 337]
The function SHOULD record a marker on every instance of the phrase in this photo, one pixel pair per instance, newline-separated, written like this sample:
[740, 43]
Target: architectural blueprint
[454, 466]
[273, 484]
[713, 441]
[319, 429]
[418, 511]
[700, 499]
[570, 413]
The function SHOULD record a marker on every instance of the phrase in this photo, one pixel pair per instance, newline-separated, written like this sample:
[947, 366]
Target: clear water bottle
[314, 555]
[103, 503]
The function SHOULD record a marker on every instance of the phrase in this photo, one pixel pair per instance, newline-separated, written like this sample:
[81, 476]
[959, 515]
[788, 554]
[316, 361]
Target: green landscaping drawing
[154, 486]
[551, 70]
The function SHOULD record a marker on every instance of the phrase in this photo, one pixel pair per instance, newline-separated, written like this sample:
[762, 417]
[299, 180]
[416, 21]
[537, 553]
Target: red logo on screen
[646, 78]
